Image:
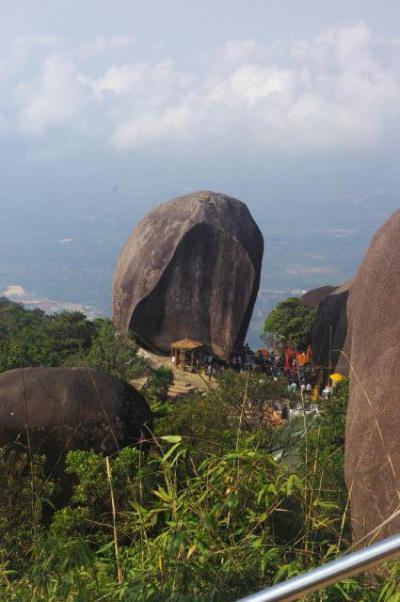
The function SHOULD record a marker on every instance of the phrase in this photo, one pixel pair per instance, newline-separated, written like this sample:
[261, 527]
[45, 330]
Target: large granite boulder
[69, 408]
[190, 269]
[372, 462]
[329, 332]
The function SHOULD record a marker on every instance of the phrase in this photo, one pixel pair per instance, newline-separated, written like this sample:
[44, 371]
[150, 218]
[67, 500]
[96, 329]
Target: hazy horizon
[106, 112]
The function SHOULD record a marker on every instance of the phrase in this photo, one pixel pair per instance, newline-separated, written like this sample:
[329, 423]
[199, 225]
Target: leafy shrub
[158, 384]
[231, 524]
[25, 495]
[112, 352]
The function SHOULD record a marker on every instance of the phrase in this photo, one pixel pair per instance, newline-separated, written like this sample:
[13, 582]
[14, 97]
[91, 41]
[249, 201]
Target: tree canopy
[292, 320]
[33, 338]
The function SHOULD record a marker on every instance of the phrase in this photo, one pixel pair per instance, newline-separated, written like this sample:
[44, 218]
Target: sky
[164, 76]
[109, 108]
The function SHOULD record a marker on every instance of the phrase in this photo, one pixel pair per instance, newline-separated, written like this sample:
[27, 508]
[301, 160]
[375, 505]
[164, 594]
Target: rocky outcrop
[69, 408]
[372, 462]
[314, 296]
[190, 269]
[330, 329]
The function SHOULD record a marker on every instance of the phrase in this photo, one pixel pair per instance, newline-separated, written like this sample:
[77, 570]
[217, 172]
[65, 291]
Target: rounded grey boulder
[190, 269]
[70, 408]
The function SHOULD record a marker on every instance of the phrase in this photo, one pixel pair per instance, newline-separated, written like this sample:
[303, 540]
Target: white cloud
[21, 50]
[236, 51]
[118, 80]
[103, 44]
[349, 46]
[151, 129]
[338, 91]
[333, 92]
[54, 99]
[250, 83]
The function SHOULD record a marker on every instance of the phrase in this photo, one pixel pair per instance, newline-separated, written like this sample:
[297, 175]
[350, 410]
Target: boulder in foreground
[372, 459]
[69, 408]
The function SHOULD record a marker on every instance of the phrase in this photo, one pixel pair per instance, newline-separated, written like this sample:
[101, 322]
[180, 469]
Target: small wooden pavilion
[183, 352]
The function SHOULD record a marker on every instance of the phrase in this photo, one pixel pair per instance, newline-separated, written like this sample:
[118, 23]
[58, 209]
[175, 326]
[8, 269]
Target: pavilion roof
[187, 343]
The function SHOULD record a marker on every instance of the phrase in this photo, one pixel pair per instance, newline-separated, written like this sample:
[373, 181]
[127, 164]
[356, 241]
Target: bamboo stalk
[119, 572]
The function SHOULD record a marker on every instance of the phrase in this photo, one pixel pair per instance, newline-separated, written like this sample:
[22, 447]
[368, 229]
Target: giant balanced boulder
[52, 410]
[190, 269]
[330, 331]
[372, 457]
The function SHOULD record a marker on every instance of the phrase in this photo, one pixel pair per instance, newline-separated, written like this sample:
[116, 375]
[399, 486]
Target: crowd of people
[278, 363]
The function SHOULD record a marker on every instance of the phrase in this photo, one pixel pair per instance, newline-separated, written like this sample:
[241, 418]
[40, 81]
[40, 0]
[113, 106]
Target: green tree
[32, 338]
[112, 352]
[69, 333]
[28, 347]
[292, 320]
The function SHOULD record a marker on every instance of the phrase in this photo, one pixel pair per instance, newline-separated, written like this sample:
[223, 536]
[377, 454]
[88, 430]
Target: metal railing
[332, 572]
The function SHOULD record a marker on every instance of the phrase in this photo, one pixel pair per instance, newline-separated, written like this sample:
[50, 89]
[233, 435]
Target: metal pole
[332, 572]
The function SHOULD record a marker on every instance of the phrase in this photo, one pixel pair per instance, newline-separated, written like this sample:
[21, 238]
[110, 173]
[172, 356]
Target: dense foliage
[291, 320]
[189, 524]
[203, 511]
[32, 338]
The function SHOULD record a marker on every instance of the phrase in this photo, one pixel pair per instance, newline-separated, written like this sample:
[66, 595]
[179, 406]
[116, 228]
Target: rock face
[329, 332]
[372, 460]
[70, 408]
[313, 297]
[191, 268]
